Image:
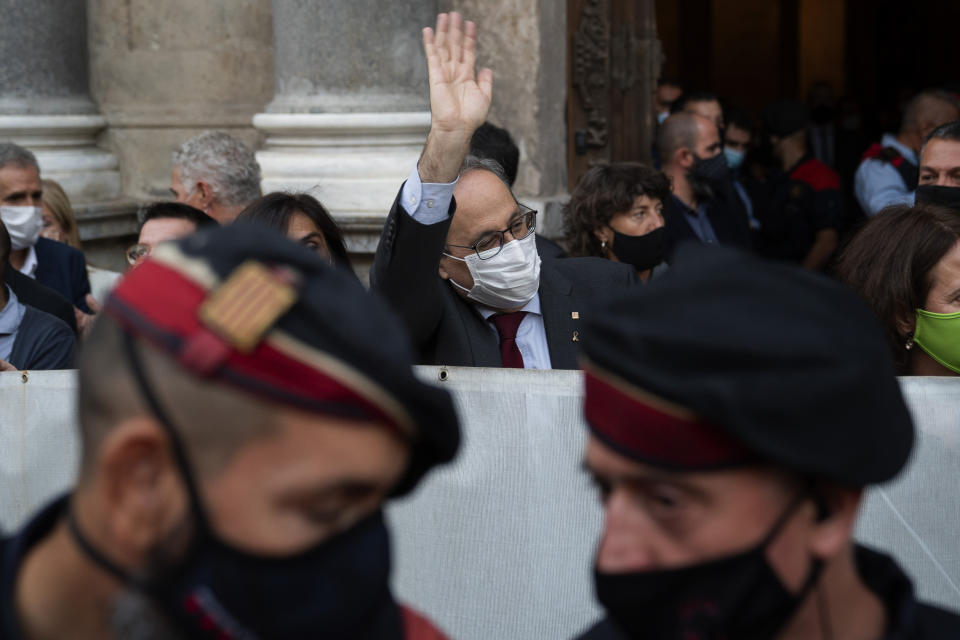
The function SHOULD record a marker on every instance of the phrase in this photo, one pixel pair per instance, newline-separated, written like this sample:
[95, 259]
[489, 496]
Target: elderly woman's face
[644, 216]
[944, 295]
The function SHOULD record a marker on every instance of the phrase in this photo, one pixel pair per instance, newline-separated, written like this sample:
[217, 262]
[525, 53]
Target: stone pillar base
[66, 148]
[354, 163]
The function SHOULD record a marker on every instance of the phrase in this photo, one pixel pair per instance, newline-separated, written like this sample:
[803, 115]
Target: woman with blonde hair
[60, 225]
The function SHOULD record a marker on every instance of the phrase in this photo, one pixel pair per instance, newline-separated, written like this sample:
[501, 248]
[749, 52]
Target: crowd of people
[246, 406]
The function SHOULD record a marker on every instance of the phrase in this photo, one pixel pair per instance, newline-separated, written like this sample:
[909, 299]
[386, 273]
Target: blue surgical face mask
[663, 115]
[734, 158]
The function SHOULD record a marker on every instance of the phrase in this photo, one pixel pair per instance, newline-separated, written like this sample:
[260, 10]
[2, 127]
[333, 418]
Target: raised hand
[459, 96]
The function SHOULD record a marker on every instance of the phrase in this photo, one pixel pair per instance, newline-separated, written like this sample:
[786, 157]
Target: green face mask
[939, 335]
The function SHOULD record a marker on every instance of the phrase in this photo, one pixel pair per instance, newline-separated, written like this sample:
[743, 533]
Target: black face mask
[337, 589]
[713, 169]
[731, 598]
[642, 252]
[944, 196]
[708, 175]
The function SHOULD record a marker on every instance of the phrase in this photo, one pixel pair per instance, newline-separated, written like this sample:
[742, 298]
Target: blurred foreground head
[245, 410]
[736, 409]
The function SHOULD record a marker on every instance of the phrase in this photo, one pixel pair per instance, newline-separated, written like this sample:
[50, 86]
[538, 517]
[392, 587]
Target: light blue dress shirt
[878, 184]
[429, 203]
[10, 318]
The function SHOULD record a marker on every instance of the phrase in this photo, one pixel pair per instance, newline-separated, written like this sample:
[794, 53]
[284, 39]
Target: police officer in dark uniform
[245, 410]
[803, 212]
[737, 411]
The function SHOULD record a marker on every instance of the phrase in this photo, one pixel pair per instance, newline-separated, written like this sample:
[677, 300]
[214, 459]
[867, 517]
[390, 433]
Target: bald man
[888, 173]
[703, 207]
[702, 103]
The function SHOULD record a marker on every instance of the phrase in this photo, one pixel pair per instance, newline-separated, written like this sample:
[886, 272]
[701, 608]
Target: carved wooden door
[613, 62]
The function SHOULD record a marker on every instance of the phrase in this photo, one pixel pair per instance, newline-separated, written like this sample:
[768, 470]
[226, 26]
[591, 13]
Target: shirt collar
[890, 140]
[531, 307]
[12, 314]
[29, 267]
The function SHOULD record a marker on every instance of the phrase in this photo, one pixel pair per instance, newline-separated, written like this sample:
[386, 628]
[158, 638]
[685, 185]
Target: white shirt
[29, 267]
[429, 203]
[878, 184]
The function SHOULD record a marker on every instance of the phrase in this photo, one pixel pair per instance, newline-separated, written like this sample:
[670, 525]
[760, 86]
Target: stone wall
[162, 72]
[524, 42]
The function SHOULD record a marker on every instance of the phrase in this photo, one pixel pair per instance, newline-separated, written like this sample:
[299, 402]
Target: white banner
[500, 543]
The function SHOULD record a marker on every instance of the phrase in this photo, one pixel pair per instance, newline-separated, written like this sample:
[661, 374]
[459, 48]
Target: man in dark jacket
[471, 287]
[29, 338]
[53, 264]
[732, 434]
[704, 206]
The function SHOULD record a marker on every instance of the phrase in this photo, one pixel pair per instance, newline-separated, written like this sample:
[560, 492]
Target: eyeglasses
[138, 252]
[522, 226]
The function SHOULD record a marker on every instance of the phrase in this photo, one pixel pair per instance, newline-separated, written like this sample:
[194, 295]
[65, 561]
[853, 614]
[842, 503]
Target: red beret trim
[158, 303]
[652, 430]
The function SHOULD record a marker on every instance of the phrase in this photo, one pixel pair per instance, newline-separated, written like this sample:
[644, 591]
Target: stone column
[351, 108]
[45, 100]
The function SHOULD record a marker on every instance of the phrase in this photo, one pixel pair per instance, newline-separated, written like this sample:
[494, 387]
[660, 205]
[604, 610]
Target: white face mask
[509, 279]
[23, 224]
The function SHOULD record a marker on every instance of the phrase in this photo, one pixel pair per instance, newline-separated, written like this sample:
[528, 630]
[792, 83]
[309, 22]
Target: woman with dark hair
[303, 219]
[906, 263]
[616, 212]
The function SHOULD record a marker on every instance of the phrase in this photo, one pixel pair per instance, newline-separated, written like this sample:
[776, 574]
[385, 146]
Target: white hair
[227, 164]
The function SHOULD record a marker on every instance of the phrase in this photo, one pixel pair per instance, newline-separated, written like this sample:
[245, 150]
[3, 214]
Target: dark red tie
[507, 325]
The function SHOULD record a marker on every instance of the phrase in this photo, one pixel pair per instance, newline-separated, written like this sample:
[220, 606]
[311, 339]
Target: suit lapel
[484, 347]
[561, 327]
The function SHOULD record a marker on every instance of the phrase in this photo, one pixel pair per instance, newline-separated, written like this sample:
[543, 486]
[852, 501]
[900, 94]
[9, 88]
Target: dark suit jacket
[43, 342]
[63, 269]
[33, 294]
[447, 329]
[727, 217]
[547, 248]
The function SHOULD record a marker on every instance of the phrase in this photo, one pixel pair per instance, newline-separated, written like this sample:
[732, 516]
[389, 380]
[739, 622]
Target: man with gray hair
[54, 264]
[216, 173]
[888, 173]
[471, 287]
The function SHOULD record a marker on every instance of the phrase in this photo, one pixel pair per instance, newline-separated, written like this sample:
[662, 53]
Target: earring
[909, 344]
[603, 246]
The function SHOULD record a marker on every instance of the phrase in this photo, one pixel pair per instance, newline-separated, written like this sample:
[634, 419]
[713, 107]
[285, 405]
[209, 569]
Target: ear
[206, 195]
[684, 157]
[604, 234]
[138, 488]
[834, 527]
[444, 274]
[906, 325]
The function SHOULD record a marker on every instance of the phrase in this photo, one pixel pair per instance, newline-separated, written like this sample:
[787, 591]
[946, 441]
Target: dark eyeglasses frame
[526, 214]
